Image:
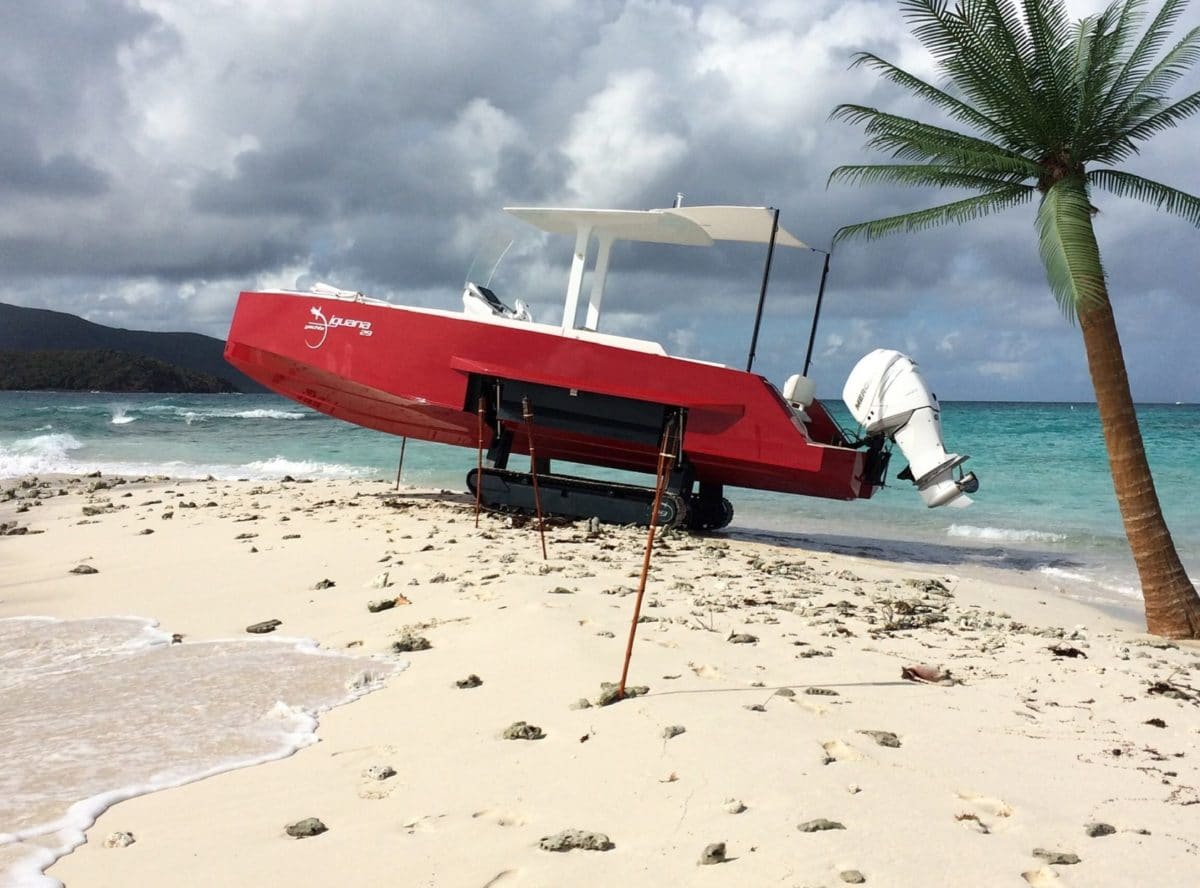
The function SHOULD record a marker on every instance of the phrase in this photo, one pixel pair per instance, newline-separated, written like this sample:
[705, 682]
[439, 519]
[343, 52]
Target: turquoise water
[1046, 501]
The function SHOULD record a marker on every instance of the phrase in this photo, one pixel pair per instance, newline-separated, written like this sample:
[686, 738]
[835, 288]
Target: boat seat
[483, 302]
[799, 391]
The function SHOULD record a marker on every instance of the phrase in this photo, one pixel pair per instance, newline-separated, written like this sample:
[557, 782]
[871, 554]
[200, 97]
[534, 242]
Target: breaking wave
[1004, 534]
[1085, 581]
[278, 466]
[191, 416]
[41, 453]
[57, 454]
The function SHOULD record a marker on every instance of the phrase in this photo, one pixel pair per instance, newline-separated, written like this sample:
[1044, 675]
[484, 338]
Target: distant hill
[103, 370]
[38, 329]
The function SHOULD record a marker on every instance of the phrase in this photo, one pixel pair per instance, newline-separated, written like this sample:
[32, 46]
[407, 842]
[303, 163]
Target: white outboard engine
[887, 396]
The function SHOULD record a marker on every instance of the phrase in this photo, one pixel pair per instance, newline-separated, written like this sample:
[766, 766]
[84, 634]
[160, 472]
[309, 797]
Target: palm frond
[1088, 49]
[1049, 27]
[1049, 50]
[1129, 15]
[1109, 143]
[919, 175]
[1159, 196]
[980, 65]
[956, 108]
[1099, 42]
[930, 24]
[958, 211]
[1158, 79]
[1012, 56]
[1067, 244]
[1163, 119]
[909, 139]
[1138, 61]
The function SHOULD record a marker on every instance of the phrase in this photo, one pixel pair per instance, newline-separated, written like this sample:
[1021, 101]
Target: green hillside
[102, 370]
[24, 330]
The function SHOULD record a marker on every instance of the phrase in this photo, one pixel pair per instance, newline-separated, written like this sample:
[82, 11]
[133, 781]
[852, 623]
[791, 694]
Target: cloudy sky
[158, 156]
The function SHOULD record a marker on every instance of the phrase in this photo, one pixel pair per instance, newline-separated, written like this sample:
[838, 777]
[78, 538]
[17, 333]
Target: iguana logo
[317, 329]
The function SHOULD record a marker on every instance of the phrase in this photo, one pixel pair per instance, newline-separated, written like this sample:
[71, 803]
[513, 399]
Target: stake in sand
[665, 458]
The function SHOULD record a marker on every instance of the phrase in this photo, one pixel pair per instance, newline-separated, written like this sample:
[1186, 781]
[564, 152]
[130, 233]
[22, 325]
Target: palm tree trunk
[1172, 605]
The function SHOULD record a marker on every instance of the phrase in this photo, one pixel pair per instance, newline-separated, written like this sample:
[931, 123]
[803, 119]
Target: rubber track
[571, 497]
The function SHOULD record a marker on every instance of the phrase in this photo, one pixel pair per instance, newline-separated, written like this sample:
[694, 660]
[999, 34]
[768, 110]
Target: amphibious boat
[491, 377]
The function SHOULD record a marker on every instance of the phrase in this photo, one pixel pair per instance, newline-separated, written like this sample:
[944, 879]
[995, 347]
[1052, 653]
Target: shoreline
[1020, 568]
[1018, 756]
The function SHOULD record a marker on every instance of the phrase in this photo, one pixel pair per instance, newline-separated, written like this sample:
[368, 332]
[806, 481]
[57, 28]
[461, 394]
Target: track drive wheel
[672, 511]
[714, 517]
[726, 515]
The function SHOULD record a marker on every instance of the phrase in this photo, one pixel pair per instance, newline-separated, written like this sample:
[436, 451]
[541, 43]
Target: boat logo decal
[318, 328]
[862, 393]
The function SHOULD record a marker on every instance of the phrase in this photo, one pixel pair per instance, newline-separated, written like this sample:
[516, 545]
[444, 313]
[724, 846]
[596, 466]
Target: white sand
[1022, 754]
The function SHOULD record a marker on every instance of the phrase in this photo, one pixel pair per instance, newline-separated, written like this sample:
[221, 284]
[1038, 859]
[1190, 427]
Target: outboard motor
[887, 396]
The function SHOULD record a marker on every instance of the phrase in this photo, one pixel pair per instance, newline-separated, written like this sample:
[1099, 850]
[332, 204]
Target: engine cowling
[887, 396]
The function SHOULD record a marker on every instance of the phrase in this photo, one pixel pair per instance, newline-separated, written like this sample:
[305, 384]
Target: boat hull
[418, 373]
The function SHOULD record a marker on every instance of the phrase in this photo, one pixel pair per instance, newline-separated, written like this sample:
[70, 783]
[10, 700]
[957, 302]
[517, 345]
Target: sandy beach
[785, 719]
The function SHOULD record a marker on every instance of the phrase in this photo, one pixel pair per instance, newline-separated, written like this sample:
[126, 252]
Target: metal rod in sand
[479, 465]
[665, 458]
[400, 466]
[527, 411]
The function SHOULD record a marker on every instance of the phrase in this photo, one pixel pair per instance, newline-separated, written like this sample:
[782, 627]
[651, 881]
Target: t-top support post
[599, 274]
[762, 293]
[575, 281]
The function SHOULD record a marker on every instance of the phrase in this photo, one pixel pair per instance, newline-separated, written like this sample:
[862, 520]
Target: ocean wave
[121, 416]
[191, 416]
[1004, 534]
[278, 466]
[1079, 578]
[54, 454]
[262, 413]
[39, 454]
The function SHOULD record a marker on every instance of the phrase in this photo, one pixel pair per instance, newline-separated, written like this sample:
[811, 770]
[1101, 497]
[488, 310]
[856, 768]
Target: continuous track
[570, 497]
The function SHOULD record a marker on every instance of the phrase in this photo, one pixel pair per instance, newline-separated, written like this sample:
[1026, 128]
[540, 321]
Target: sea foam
[39, 454]
[1084, 582]
[50, 454]
[191, 416]
[278, 466]
[1004, 534]
[102, 710]
[121, 415]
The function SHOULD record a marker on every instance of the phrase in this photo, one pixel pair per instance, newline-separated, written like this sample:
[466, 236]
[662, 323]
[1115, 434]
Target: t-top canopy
[691, 226]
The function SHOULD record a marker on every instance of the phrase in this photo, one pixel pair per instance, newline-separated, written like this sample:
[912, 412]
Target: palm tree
[1051, 106]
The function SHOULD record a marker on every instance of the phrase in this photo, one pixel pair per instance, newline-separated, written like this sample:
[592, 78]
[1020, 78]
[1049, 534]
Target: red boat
[490, 377]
